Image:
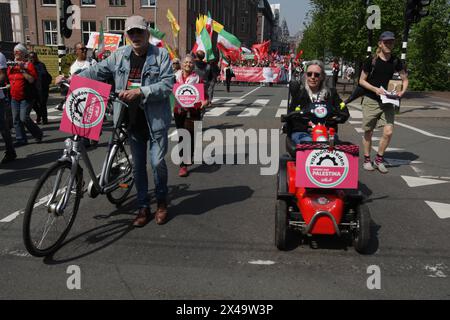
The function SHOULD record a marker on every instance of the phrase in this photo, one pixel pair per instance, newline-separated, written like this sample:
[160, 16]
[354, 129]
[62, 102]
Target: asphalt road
[219, 241]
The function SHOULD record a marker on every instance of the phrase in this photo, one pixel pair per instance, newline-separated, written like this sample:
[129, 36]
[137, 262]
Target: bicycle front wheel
[120, 172]
[44, 229]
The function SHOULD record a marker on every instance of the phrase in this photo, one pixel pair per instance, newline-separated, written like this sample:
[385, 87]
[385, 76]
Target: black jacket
[300, 98]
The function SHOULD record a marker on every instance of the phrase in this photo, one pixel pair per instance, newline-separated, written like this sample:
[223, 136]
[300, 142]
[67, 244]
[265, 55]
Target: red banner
[255, 74]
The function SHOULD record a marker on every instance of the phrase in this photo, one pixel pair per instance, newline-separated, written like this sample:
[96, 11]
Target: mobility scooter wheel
[281, 224]
[361, 236]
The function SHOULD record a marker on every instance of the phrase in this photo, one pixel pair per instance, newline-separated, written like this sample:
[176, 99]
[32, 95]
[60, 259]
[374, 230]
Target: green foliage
[338, 28]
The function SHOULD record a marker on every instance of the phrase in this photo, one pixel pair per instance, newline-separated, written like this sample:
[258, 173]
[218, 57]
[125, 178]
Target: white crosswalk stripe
[216, 112]
[281, 112]
[261, 102]
[250, 112]
[234, 101]
[284, 104]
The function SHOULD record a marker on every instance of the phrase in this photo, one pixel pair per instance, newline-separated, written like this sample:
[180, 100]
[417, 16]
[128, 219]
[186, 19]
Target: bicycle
[57, 194]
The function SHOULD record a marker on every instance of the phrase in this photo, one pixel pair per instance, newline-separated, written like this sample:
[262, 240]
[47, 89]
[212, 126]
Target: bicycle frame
[73, 151]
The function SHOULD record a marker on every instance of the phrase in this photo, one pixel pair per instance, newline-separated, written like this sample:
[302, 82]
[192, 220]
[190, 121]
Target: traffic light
[416, 10]
[423, 9]
[66, 13]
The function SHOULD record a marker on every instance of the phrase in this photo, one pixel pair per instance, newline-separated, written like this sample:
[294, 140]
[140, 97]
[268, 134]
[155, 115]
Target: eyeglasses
[310, 74]
[135, 31]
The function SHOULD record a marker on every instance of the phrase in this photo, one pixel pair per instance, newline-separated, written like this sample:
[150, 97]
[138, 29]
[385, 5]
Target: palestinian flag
[157, 37]
[228, 40]
[203, 43]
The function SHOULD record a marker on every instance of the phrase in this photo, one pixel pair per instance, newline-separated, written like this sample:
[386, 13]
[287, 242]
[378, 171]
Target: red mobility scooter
[317, 187]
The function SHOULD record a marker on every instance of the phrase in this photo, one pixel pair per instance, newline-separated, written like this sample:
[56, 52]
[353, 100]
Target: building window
[86, 28]
[50, 33]
[117, 3]
[116, 25]
[49, 2]
[88, 2]
[148, 3]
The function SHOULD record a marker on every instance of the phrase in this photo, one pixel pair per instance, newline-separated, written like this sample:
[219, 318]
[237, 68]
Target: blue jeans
[299, 137]
[157, 151]
[21, 119]
[4, 128]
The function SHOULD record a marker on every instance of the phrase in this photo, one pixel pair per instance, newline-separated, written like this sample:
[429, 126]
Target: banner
[323, 168]
[85, 108]
[112, 41]
[48, 56]
[255, 74]
[187, 95]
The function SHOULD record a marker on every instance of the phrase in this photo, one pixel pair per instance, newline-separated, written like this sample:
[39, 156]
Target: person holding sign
[143, 75]
[184, 117]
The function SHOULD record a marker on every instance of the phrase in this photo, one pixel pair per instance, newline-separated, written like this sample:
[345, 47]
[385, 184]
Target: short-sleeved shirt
[383, 72]
[18, 81]
[79, 66]
[3, 66]
[136, 115]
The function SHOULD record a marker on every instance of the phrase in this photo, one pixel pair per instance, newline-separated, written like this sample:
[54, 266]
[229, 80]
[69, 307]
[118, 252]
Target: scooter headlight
[322, 200]
[68, 144]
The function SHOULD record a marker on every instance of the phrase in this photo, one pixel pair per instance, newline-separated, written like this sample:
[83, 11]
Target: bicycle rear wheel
[43, 229]
[120, 170]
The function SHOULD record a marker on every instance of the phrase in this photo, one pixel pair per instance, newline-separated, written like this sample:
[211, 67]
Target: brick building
[265, 21]
[238, 16]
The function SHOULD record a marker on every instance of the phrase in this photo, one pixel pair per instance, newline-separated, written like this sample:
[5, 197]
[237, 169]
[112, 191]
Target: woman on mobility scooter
[315, 176]
[184, 118]
[314, 90]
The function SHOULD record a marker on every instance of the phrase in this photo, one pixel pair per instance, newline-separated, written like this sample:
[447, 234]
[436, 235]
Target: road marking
[284, 104]
[245, 95]
[43, 200]
[280, 112]
[359, 130]
[216, 112]
[426, 133]
[250, 112]
[420, 182]
[356, 114]
[442, 210]
[435, 177]
[441, 103]
[216, 100]
[388, 149]
[262, 262]
[234, 102]
[261, 102]
[355, 122]
[416, 170]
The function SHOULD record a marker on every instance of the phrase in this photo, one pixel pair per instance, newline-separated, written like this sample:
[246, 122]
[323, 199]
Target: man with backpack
[375, 77]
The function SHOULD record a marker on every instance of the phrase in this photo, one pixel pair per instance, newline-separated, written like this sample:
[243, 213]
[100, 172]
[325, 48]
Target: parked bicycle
[53, 204]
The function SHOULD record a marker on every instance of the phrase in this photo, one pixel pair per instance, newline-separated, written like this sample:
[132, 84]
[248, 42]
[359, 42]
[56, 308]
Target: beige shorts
[376, 115]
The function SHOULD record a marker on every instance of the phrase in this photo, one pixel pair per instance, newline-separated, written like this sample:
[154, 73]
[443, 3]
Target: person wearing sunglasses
[144, 78]
[375, 75]
[82, 62]
[312, 89]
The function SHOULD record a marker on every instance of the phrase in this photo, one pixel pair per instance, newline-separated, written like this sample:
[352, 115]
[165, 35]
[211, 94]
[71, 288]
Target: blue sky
[294, 11]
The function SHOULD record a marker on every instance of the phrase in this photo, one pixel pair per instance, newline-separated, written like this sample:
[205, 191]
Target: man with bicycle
[144, 77]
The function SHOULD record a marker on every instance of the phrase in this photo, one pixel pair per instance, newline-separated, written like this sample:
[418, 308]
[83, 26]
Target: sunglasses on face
[135, 31]
[310, 74]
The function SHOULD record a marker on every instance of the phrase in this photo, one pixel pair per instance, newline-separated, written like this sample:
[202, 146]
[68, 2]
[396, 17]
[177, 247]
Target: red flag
[261, 49]
[232, 54]
[299, 55]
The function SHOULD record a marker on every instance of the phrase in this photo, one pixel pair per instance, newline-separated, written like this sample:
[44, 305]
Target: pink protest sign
[85, 108]
[323, 168]
[188, 95]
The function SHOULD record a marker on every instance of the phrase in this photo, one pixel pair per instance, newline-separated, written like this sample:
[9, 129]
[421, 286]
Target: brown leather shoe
[161, 213]
[142, 218]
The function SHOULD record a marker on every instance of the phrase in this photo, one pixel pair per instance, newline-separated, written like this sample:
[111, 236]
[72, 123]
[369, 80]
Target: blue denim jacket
[157, 82]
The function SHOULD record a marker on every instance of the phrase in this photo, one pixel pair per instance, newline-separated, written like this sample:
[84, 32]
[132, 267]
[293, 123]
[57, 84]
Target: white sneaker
[368, 166]
[381, 167]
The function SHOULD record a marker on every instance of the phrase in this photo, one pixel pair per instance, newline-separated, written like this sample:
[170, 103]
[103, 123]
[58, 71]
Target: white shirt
[3, 67]
[79, 66]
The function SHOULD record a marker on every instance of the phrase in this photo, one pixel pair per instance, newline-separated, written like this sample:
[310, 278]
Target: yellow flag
[173, 22]
[217, 27]
[200, 24]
